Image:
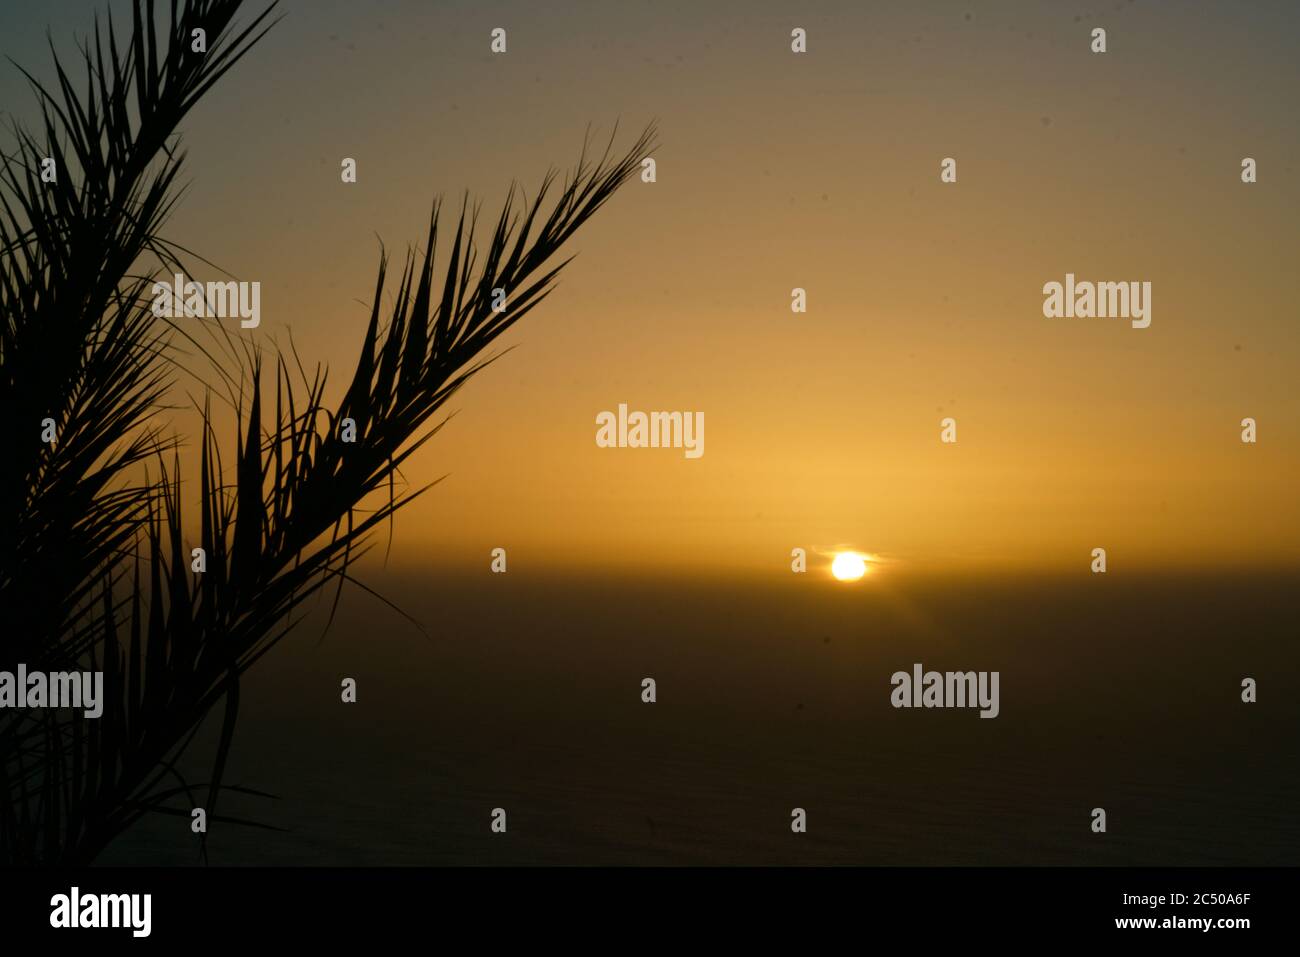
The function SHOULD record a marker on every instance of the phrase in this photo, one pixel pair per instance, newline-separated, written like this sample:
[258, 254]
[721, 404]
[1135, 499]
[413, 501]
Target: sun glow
[848, 566]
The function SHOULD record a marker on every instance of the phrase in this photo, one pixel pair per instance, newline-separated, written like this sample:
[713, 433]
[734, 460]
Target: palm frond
[94, 563]
[77, 345]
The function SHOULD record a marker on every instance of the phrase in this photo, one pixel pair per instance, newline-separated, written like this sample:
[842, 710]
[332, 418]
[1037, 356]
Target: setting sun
[848, 566]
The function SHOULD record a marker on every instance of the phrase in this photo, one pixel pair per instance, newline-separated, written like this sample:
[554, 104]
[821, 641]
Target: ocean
[771, 695]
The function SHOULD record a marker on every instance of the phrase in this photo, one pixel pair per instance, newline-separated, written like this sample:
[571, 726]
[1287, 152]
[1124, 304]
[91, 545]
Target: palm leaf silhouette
[94, 555]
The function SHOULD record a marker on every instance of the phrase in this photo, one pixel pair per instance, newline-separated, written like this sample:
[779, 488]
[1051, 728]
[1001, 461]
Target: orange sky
[821, 171]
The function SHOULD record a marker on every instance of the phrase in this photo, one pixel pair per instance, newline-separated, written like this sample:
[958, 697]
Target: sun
[848, 566]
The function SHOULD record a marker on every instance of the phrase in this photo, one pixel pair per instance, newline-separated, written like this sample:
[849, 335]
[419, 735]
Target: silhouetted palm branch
[94, 561]
[77, 343]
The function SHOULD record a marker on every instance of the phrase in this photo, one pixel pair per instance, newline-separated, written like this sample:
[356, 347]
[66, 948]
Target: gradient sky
[820, 171]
